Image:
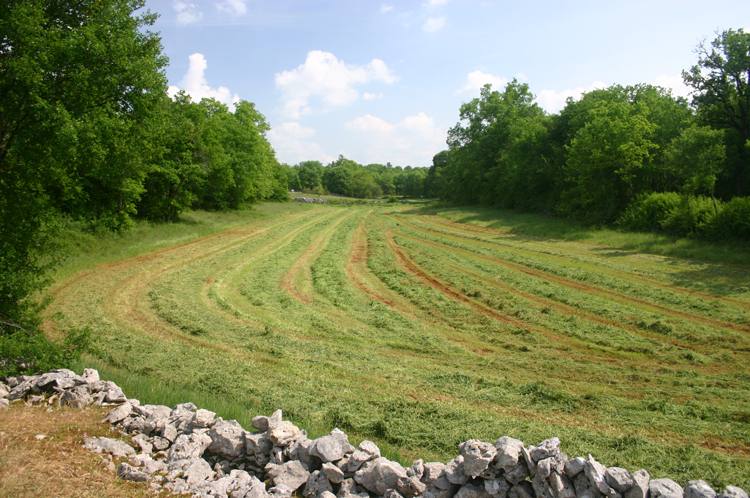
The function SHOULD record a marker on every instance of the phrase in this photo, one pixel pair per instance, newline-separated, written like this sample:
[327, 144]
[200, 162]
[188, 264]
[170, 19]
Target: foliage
[732, 221]
[26, 352]
[721, 81]
[648, 211]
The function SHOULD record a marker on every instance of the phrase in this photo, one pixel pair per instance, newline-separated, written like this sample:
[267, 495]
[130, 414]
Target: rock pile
[189, 450]
[309, 200]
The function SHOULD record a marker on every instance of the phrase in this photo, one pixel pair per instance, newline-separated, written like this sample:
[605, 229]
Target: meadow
[420, 328]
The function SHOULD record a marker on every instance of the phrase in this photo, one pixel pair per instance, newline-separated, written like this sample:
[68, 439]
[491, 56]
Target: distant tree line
[351, 179]
[88, 134]
[634, 156]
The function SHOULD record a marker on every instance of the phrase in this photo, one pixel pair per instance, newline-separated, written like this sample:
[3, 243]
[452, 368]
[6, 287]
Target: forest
[635, 157]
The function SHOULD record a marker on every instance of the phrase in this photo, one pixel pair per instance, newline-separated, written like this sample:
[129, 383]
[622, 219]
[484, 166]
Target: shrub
[26, 351]
[691, 216]
[648, 211]
[732, 222]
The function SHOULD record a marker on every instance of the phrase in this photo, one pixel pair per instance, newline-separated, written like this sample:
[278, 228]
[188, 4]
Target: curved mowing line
[588, 289]
[374, 288]
[578, 264]
[569, 310]
[298, 278]
[412, 267]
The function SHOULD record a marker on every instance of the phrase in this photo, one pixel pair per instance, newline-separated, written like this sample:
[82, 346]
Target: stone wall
[189, 450]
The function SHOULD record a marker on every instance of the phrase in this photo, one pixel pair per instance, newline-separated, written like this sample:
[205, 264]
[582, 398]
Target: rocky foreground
[189, 450]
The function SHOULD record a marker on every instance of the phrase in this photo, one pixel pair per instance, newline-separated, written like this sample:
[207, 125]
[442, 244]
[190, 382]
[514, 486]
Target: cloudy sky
[383, 81]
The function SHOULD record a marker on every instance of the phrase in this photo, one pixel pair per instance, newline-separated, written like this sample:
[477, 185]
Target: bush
[648, 211]
[691, 216]
[26, 351]
[732, 222]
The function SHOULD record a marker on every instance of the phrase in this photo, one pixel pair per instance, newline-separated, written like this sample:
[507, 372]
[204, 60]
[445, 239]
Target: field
[399, 325]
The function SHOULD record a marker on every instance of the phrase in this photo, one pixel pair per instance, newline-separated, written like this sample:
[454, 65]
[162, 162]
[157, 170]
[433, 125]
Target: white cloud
[386, 8]
[553, 101]
[372, 96]
[433, 24]
[291, 145]
[234, 7]
[187, 13]
[194, 83]
[679, 89]
[325, 76]
[413, 140]
[477, 79]
[434, 3]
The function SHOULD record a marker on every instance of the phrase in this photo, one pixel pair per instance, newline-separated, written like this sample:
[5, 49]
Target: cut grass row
[419, 332]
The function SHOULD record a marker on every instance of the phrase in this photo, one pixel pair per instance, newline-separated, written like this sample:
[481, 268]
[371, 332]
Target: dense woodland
[89, 136]
[633, 156]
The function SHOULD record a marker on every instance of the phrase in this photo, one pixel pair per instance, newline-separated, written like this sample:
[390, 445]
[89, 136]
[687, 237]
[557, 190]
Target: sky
[383, 82]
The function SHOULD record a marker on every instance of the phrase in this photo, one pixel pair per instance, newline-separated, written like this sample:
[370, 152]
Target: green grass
[564, 229]
[85, 250]
[429, 334]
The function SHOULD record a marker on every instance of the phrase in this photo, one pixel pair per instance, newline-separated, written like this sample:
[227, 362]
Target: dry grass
[56, 465]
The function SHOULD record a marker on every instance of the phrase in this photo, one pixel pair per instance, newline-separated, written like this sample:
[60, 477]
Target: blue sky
[383, 81]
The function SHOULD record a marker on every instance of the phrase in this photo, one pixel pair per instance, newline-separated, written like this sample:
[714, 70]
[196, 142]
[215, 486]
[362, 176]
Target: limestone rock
[129, 473]
[392, 493]
[497, 488]
[291, 475]
[416, 469]
[257, 444]
[432, 471]
[561, 485]
[203, 418]
[546, 449]
[115, 447]
[518, 473]
[410, 486]
[90, 375]
[521, 490]
[284, 433]
[77, 397]
[574, 467]
[366, 451]
[640, 486]
[23, 388]
[619, 479]
[597, 475]
[118, 413]
[477, 456]
[379, 475]
[260, 423]
[187, 448]
[733, 492]
[317, 483]
[331, 448]
[197, 471]
[332, 473]
[699, 489]
[227, 438]
[665, 488]
[508, 451]
[454, 471]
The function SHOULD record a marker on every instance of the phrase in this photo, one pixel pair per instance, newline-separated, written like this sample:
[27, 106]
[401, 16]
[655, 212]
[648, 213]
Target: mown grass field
[399, 325]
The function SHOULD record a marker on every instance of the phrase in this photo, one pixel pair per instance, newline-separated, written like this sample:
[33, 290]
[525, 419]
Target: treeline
[351, 179]
[633, 156]
[88, 134]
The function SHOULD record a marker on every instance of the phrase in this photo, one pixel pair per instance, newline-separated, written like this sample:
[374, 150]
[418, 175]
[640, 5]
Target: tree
[77, 79]
[721, 81]
[696, 157]
[604, 158]
[310, 174]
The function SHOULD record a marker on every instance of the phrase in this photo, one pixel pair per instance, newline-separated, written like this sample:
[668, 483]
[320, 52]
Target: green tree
[604, 158]
[310, 174]
[721, 81]
[77, 79]
[696, 156]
